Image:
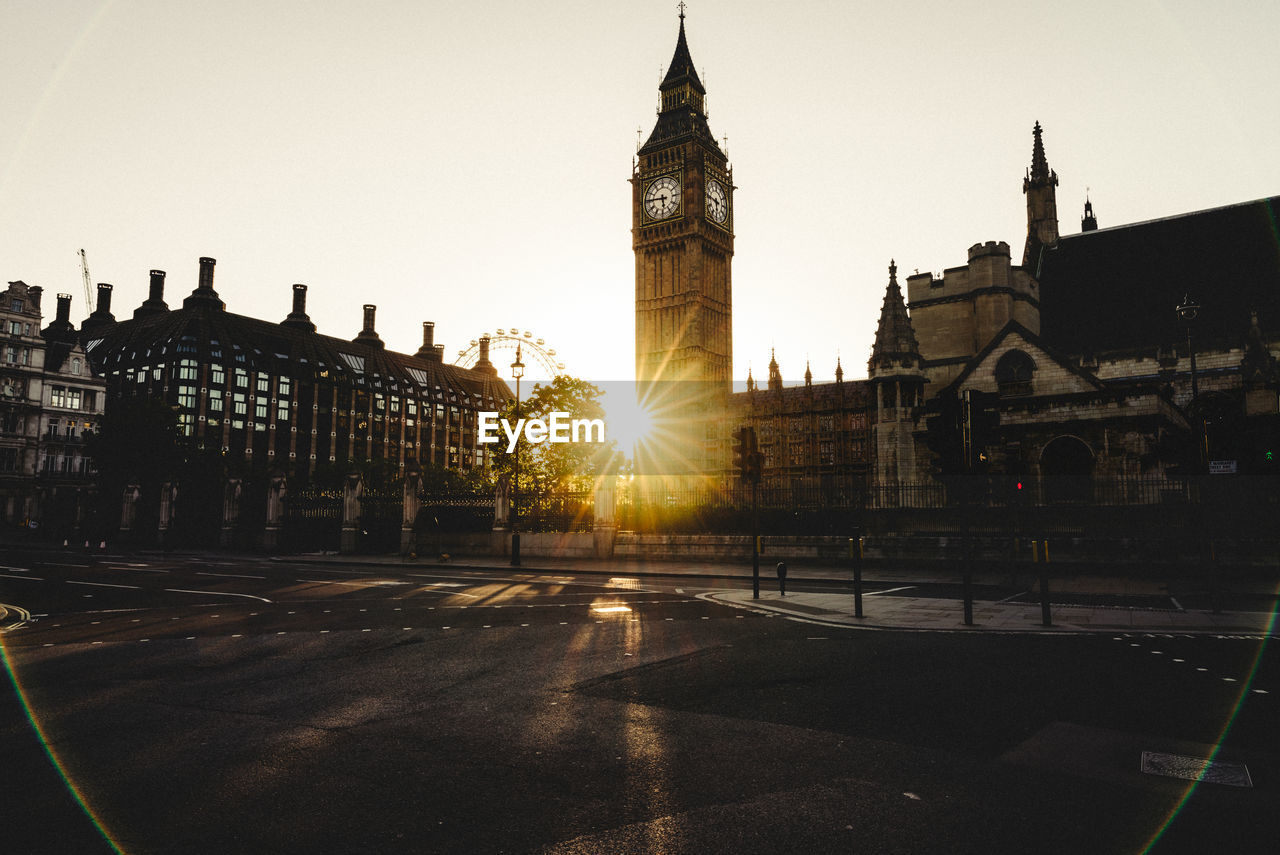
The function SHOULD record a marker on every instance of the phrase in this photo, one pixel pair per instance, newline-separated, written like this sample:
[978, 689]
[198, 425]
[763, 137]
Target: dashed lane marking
[230, 575]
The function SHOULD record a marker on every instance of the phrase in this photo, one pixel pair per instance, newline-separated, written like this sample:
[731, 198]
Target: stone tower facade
[896, 374]
[957, 314]
[1039, 185]
[682, 235]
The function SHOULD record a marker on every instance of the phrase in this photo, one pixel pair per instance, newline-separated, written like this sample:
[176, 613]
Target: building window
[8, 460]
[75, 367]
[283, 386]
[187, 369]
[10, 354]
[73, 399]
[242, 379]
[1013, 373]
[57, 396]
[282, 411]
[17, 305]
[15, 328]
[215, 403]
[217, 375]
[264, 383]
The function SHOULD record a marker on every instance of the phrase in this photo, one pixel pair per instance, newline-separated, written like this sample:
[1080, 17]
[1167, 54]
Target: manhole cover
[1195, 769]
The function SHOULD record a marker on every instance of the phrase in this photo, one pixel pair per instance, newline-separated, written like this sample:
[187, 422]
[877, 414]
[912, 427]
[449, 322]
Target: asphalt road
[256, 706]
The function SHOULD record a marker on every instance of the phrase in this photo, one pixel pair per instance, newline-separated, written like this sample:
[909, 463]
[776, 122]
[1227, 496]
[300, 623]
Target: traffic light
[944, 436]
[984, 422]
[747, 459]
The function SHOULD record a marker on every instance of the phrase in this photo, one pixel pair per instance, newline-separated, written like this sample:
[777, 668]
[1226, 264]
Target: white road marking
[217, 594]
[28, 578]
[892, 590]
[231, 575]
[102, 584]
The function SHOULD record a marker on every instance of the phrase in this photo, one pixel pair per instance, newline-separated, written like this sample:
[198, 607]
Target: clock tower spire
[682, 235]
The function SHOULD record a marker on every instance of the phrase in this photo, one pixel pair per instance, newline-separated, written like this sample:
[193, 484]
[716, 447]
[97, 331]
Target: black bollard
[782, 577]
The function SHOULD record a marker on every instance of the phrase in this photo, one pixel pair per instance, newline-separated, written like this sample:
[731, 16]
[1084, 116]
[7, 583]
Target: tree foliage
[559, 467]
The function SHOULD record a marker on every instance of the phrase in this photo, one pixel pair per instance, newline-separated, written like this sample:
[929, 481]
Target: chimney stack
[298, 317]
[206, 274]
[61, 329]
[157, 286]
[204, 295]
[103, 308]
[439, 355]
[34, 292]
[154, 304]
[369, 335]
[428, 349]
[483, 363]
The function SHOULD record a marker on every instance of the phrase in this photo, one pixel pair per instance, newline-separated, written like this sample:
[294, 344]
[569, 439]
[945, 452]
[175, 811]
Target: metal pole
[515, 491]
[855, 553]
[755, 547]
[1046, 617]
[968, 570]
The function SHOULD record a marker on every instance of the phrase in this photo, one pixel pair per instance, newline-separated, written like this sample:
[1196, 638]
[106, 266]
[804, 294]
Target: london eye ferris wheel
[507, 339]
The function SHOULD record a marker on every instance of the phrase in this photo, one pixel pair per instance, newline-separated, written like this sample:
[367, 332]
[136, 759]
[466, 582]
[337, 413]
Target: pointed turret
[751, 383]
[1042, 203]
[775, 375]
[839, 371]
[681, 70]
[683, 112]
[1088, 223]
[808, 375]
[897, 380]
[895, 346]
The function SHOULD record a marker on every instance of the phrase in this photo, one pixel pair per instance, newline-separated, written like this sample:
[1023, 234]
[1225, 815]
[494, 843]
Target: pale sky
[467, 163]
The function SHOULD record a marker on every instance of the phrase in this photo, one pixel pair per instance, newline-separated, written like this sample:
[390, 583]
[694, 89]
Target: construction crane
[88, 287]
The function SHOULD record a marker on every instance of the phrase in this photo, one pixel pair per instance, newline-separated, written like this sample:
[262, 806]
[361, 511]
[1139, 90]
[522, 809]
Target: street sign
[1222, 467]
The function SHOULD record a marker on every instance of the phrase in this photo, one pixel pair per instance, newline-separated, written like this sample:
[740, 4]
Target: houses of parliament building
[1094, 348]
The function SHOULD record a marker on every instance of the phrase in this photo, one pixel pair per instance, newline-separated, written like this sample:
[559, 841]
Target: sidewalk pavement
[883, 610]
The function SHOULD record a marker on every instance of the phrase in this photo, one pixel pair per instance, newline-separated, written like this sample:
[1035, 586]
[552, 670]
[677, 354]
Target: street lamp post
[1187, 313]
[517, 371]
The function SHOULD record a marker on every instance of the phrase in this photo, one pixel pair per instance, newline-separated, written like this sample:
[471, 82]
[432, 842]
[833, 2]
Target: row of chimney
[205, 296]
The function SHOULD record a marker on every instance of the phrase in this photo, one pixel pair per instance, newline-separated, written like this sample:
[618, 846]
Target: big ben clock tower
[682, 234]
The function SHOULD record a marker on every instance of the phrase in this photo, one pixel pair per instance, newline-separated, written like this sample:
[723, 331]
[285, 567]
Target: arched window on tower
[1013, 373]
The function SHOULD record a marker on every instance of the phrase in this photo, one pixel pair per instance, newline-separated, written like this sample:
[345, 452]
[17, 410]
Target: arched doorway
[1066, 465]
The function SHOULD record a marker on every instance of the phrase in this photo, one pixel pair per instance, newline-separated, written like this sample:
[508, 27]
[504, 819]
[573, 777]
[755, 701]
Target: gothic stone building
[1088, 363]
[1078, 346]
[682, 235]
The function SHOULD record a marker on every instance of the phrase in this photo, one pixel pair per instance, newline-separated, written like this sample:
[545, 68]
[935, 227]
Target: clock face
[662, 198]
[717, 202]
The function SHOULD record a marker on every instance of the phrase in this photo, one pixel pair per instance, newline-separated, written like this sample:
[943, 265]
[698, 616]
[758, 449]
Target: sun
[626, 421]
